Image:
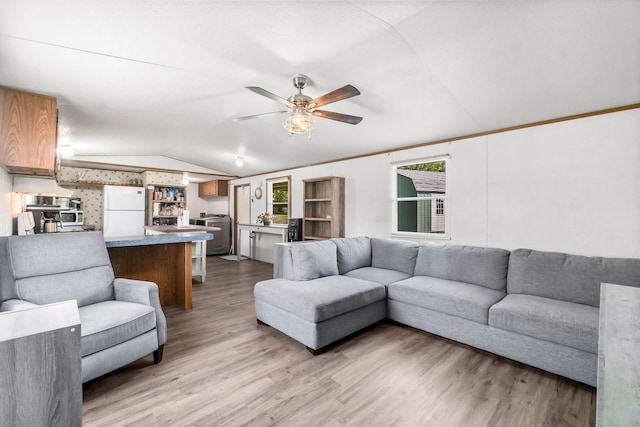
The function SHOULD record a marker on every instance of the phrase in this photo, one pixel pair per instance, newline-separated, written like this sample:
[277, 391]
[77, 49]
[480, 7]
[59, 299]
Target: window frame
[395, 200]
[270, 202]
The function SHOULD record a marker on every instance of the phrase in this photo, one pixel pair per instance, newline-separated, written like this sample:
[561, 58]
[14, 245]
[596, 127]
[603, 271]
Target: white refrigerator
[123, 211]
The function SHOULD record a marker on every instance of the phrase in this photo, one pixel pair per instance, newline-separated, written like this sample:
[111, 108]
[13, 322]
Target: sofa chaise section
[312, 303]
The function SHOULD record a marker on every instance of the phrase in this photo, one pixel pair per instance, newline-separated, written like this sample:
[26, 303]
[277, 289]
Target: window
[420, 197]
[278, 199]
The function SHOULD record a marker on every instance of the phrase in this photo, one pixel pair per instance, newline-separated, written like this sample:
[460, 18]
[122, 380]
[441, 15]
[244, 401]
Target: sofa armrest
[146, 293]
[16, 305]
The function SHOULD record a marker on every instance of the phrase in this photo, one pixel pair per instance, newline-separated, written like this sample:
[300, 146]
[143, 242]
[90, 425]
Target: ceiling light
[299, 122]
[239, 161]
[65, 151]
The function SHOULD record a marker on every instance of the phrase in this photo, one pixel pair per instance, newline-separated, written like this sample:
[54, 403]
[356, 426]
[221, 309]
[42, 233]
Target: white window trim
[270, 182]
[395, 199]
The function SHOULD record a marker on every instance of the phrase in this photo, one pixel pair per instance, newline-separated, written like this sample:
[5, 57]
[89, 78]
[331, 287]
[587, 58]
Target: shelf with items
[323, 208]
[165, 205]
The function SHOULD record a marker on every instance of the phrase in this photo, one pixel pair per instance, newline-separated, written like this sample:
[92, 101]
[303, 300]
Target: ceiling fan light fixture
[299, 122]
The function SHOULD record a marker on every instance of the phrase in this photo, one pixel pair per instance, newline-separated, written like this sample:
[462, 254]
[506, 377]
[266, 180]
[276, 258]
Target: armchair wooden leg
[157, 355]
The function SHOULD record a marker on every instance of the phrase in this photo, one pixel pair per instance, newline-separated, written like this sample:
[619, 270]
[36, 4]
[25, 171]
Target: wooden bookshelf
[323, 208]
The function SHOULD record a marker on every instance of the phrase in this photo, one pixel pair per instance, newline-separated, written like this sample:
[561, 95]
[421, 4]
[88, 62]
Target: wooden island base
[162, 258]
[168, 265]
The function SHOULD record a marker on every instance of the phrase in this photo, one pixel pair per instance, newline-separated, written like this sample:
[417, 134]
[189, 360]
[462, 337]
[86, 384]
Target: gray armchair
[121, 319]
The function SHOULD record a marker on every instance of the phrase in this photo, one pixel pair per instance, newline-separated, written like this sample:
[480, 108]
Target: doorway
[242, 209]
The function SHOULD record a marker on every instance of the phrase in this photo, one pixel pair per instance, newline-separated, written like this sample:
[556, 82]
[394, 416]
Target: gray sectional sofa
[539, 308]
[121, 319]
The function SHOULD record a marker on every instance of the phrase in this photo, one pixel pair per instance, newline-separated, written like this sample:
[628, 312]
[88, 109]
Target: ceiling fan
[301, 107]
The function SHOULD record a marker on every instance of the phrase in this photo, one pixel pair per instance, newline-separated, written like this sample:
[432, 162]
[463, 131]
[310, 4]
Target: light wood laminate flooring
[222, 369]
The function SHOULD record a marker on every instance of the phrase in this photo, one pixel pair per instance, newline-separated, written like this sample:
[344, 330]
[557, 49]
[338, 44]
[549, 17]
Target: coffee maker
[294, 230]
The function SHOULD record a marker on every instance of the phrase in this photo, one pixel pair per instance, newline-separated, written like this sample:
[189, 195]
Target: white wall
[571, 186]
[6, 187]
[211, 205]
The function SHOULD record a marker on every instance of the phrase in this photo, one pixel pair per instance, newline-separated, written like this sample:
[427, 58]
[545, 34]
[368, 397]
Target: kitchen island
[198, 248]
[161, 258]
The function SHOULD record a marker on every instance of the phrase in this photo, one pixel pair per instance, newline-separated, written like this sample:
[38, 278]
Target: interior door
[242, 209]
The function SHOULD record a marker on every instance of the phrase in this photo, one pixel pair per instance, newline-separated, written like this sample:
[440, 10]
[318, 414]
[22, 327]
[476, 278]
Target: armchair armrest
[16, 305]
[146, 293]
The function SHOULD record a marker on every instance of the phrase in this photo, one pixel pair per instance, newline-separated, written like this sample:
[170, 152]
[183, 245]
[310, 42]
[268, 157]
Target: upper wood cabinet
[28, 132]
[213, 188]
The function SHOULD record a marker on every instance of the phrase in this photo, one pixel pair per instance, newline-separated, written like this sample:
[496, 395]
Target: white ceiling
[165, 77]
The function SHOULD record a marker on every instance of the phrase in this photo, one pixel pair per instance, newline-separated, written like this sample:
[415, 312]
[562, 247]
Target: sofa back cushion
[470, 264]
[399, 255]
[314, 259]
[56, 267]
[353, 253]
[566, 277]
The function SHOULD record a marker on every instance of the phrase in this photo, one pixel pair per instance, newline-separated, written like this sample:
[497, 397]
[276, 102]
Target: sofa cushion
[392, 254]
[561, 322]
[378, 275]
[314, 259]
[319, 299]
[469, 264]
[571, 278]
[353, 252]
[106, 324]
[464, 300]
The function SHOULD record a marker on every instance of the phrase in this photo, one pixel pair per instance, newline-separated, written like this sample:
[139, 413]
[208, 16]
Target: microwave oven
[68, 218]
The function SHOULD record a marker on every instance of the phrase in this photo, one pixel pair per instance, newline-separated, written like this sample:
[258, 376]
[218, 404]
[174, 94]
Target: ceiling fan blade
[337, 95]
[272, 96]
[346, 118]
[236, 119]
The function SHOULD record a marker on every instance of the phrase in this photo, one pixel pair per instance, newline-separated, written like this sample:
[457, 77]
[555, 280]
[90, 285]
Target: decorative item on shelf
[264, 218]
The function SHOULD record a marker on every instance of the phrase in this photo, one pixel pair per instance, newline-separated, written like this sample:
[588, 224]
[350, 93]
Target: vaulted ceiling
[140, 79]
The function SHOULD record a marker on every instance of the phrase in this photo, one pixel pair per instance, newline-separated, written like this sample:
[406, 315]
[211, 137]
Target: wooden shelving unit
[323, 208]
[165, 205]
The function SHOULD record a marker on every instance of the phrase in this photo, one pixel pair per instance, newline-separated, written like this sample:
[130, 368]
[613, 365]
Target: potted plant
[264, 218]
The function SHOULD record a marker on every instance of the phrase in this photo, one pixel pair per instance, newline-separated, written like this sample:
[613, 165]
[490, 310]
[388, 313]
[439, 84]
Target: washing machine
[221, 243]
